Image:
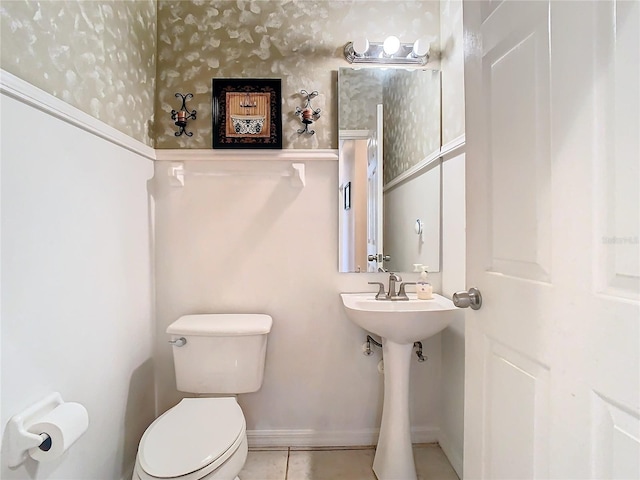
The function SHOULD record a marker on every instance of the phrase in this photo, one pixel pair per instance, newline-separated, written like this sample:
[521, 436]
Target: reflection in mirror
[389, 169]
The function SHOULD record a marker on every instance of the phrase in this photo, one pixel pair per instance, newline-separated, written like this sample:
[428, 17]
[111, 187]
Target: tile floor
[337, 464]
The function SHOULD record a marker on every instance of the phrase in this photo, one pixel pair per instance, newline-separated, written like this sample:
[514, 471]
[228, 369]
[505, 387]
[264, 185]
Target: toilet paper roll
[64, 425]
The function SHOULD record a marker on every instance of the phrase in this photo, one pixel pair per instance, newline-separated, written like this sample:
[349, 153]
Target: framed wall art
[247, 113]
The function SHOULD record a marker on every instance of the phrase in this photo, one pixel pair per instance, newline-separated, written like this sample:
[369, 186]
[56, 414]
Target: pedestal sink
[399, 323]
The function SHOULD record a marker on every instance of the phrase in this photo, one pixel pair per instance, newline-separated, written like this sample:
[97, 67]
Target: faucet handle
[402, 295]
[381, 295]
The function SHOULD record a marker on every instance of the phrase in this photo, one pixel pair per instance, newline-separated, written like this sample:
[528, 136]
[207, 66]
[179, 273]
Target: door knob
[472, 299]
[379, 258]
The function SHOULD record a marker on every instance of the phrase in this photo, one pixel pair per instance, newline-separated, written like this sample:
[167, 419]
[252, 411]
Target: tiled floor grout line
[286, 469]
[316, 463]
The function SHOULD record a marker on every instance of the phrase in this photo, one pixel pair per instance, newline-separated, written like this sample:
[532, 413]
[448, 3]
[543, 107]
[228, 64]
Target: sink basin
[399, 321]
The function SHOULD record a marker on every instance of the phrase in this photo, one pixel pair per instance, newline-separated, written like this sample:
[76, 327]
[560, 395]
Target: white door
[375, 207]
[552, 127]
[373, 243]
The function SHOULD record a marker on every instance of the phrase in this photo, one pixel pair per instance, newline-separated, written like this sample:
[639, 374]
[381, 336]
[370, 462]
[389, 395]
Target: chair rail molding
[31, 95]
[212, 155]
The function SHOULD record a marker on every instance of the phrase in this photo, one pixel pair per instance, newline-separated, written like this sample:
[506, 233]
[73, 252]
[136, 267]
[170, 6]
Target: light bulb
[421, 47]
[391, 45]
[360, 45]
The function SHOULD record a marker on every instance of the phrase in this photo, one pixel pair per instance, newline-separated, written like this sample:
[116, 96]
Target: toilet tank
[223, 353]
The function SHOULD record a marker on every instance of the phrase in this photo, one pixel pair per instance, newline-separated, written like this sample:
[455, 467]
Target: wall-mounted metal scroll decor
[181, 116]
[306, 113]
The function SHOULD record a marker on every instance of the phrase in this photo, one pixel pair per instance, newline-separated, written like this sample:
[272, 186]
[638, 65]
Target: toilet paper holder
[19, 439]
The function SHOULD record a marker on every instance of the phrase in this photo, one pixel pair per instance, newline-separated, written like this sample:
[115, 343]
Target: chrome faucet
[392, 295]
[393, 278]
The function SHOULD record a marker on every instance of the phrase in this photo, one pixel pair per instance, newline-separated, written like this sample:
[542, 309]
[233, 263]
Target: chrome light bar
[375, 54]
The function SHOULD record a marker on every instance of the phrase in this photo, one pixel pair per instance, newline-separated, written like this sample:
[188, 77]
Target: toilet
[205, 438]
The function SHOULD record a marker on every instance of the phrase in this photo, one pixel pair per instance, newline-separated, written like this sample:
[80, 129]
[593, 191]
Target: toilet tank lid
[224, 325]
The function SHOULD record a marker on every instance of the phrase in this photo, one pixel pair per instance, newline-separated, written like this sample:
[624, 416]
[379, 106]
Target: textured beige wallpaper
[411, 119]
[452, 63]
[411, 106]
[98, 56]
[359, 93]
[300, 42]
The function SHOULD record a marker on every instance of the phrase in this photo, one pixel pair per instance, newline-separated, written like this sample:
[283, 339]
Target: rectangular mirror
[389, 169]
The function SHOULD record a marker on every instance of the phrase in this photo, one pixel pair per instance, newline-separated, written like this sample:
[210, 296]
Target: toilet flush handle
[178, 342]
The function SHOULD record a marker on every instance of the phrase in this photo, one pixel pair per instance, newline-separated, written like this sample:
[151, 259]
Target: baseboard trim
[128, 473]
[453, 454]
[330, 438]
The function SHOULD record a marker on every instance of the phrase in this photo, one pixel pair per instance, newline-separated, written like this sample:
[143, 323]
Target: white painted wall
[404, 203]
[253, 243]
[453, 224]
[76, 286]
[224, 244]
[453, 229]
[453, 279]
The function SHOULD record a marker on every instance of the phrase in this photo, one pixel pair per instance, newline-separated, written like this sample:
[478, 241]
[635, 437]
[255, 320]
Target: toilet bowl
[198, 439]
[205, 438]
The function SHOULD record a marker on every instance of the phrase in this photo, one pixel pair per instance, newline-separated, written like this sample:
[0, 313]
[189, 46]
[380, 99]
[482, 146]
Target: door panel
[615, 436]
[618, 96]
[519, 389]
[519, 162]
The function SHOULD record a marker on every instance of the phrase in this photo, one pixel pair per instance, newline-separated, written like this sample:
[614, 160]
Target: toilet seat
[191, 439]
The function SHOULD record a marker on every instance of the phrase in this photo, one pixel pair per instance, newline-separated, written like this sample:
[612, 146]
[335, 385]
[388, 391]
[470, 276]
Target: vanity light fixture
[391, 45]
[180, 117]
[390, 52]
[360, 45]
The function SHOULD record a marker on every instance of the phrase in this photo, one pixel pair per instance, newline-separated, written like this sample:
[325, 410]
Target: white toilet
[205, 438]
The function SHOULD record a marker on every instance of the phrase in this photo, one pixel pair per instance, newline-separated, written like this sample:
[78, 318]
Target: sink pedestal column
[394, 453]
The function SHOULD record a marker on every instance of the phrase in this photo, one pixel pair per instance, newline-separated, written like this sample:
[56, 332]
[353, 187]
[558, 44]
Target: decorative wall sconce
[181, 116]
[307, 114]
[391, 52]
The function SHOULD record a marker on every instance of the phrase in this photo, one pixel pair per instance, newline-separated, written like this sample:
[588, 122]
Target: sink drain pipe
[421, 357]
[366, 348]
